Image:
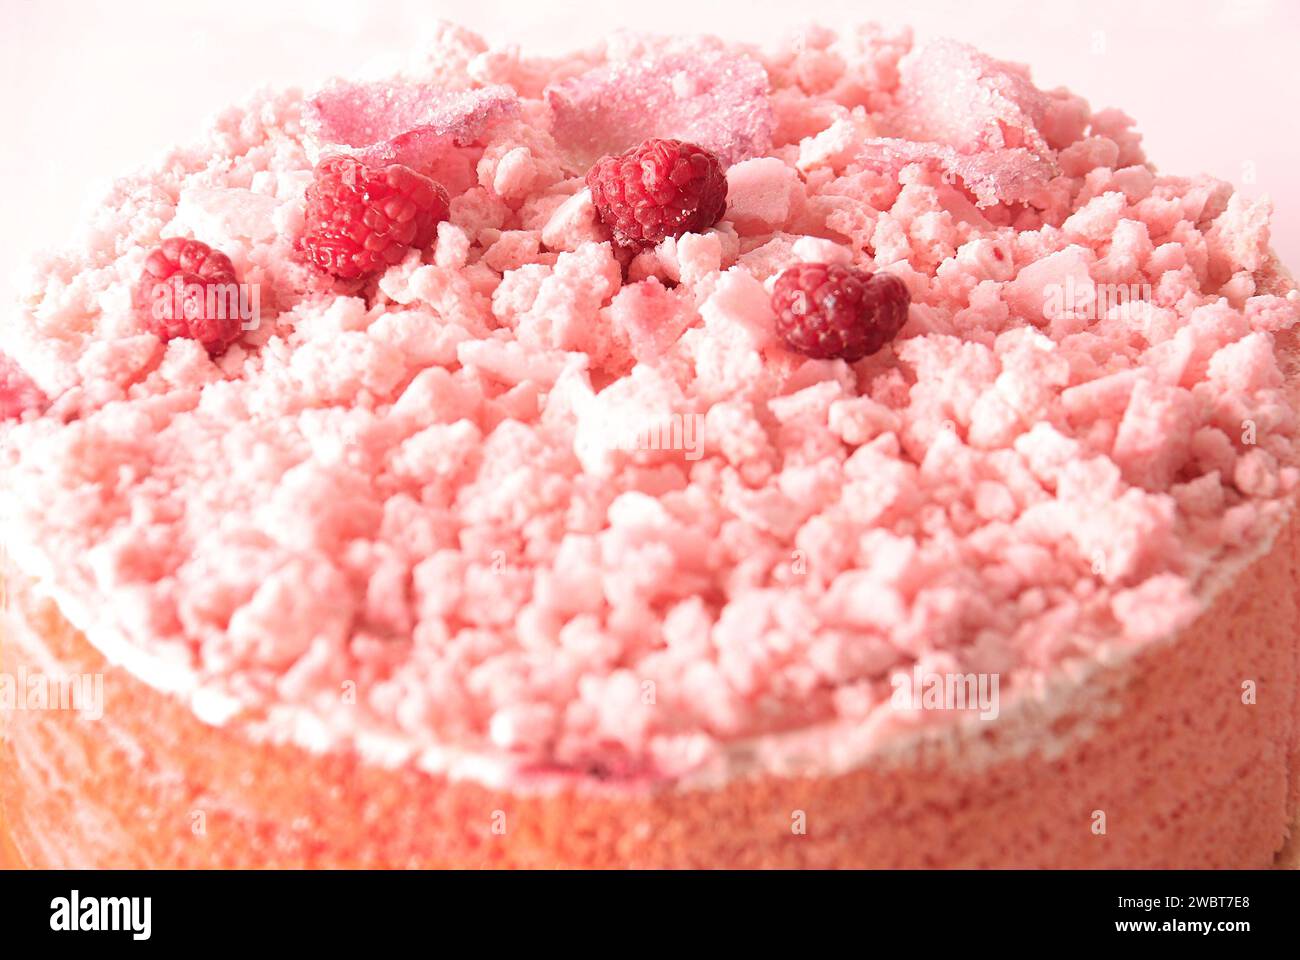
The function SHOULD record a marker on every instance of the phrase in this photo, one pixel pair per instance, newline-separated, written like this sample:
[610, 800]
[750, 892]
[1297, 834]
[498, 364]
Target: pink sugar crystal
[710, 98]
[952, 94]
[995, 176]
[412, 123]
[18, 393]
[978, 120]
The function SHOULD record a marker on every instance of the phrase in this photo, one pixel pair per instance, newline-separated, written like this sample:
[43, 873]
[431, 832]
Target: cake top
[510, 486]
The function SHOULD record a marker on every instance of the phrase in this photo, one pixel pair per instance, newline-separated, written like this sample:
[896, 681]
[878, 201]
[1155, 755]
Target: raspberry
[362, 219]
[663, 188]
[830, 311]
[187, 289]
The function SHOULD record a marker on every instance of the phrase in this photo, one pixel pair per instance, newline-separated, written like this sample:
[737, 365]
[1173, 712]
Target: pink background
[94, 90]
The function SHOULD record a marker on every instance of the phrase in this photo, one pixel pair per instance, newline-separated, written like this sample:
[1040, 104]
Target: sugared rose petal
[710, 98]
[952, 94]
[412, 124]
[978, 120]
[993, 176]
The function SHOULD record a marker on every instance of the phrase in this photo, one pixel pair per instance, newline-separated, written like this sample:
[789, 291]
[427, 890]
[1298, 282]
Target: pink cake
[499, 532]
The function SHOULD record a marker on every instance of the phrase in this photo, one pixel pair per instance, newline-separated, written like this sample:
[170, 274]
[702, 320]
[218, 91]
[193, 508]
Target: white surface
[94, 90]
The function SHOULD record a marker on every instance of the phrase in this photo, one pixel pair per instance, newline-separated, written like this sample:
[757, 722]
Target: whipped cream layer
[530, 497]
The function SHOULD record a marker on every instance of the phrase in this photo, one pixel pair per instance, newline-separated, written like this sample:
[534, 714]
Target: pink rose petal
[977, 119]
[950, 93]
[708, 97]
[1011, 175]
[414, 124]
[18, 393]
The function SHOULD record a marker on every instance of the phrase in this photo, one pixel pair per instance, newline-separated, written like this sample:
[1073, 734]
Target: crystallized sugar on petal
[977, 120]
[714, 99]
[1013, 175]
[951, 93]
[18, 393]
[409, 123]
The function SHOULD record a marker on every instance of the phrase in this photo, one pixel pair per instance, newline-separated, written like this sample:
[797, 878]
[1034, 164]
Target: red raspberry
[187, 289]
[830, 311]
[663, 188]
[362, 219]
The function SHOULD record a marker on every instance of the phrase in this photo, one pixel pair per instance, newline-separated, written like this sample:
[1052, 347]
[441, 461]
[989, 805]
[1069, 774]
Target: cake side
[414, 491]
